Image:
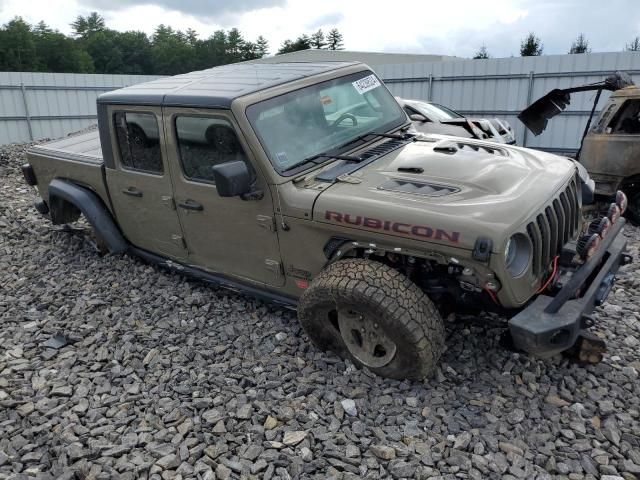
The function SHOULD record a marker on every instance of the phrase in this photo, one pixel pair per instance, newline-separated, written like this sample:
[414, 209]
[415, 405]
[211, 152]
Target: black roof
[216, 87]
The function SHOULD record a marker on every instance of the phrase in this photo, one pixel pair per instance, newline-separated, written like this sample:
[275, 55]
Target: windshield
[435, 112]
[298, 126]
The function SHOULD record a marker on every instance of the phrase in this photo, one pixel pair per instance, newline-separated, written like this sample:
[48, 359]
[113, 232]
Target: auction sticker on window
[366, 83]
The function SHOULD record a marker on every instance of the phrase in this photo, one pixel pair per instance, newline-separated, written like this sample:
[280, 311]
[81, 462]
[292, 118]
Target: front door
[229, 236]
[140, 184]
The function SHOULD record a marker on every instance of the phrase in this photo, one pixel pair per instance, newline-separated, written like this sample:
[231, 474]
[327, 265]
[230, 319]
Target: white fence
[503, 87]
[49, 105]
[34, 106]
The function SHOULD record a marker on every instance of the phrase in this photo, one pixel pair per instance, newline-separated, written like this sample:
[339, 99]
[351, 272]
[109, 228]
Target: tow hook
[588, 348]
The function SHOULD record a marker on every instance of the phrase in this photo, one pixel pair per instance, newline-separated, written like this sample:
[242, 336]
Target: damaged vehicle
[610, 149]
[299, 183]
[430, 117]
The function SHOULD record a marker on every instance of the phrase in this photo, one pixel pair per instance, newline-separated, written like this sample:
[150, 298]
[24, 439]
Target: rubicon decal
[421, 231]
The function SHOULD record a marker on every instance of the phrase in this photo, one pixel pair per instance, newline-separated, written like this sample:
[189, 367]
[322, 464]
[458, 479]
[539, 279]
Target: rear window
[138, 139]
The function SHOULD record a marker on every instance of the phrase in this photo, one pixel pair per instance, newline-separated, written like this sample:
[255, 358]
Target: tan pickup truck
[300, 183]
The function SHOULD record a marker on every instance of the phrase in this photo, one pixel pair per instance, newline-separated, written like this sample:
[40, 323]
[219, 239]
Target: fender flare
[93, 209]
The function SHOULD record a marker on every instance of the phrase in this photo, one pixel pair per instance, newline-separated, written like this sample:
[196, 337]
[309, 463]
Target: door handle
[191, 205]
[133, 191]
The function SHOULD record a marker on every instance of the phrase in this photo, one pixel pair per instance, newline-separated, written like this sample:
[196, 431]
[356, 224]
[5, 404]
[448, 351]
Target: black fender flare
[93, 209]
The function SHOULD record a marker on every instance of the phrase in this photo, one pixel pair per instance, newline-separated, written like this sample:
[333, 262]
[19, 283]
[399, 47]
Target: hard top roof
[218, 86]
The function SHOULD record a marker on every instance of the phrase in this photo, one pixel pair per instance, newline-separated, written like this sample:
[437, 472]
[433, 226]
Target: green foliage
[317, 40]
[334, 40]
[482, 53]
[531, 46]
[95, 48]
[303, 42]
[580, 45]
[633, 45]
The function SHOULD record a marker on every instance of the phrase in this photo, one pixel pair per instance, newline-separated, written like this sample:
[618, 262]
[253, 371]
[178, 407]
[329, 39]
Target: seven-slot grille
[558, 223]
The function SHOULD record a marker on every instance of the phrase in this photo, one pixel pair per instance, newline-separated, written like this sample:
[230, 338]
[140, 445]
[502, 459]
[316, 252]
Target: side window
[138, 141]
[204, 142]
[627, 119]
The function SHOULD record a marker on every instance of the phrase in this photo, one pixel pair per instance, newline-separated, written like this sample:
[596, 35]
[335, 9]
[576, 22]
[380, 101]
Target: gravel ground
[168, 378]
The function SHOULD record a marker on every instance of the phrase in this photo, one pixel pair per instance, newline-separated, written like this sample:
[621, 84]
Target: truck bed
[84, 147]
[77, 158]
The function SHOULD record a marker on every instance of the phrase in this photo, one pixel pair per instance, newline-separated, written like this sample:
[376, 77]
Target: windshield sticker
[365, 84]
[282, 158]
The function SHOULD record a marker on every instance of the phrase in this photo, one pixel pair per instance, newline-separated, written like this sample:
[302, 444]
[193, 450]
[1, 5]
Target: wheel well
[62, 211]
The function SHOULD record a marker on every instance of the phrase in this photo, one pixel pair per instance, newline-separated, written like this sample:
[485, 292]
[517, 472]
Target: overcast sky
[456, 27]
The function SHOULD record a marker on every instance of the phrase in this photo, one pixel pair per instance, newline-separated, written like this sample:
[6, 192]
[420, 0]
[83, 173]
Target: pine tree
[86, 26]
[580, 45]
[531, 46]
[634, 45]
[262, 46]
[334, 40]
[317, 40]
[482, 53]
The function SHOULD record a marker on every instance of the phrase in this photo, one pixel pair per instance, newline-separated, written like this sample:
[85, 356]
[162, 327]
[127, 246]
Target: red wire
[492, 295]
[553, 275]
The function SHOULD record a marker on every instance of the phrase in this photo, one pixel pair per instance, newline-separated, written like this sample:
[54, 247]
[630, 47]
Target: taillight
[587, 245]
[621, 201]
[29, 175]
[614, 213]
[600, 226]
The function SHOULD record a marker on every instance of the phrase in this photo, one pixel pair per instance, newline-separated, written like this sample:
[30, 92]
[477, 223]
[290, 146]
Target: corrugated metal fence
[502, 87]
[34, 106]
[50, 105]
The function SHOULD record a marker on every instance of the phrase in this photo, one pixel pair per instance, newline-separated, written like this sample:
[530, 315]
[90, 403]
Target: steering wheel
[343, 117]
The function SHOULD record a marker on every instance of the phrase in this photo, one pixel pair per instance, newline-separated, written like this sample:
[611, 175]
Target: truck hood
[448, 190]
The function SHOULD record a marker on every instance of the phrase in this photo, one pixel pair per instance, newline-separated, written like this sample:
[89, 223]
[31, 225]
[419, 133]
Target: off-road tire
[401, 309]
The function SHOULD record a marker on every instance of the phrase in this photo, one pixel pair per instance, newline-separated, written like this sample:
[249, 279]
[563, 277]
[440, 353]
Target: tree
[84, 27]
[58, 53]
[170, 52]
[235, 44]
[634, 45]
[482, 53]
[18, 47]
[303, 42]
[135, 48]
[580, 45]
[317, 40]
[531, 46]
[262, 46]
[334, 40]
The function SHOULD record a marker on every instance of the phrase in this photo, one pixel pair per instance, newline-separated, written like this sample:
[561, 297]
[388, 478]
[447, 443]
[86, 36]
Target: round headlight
[517, 254]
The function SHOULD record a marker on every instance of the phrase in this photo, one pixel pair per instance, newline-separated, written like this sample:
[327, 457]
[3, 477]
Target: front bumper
[550, 325]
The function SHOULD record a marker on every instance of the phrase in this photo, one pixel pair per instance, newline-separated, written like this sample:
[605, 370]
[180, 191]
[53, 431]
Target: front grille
[554, 226]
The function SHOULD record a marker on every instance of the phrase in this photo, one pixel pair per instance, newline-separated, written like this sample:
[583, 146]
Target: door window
[627, 120]
[204, 142]
[138, 138]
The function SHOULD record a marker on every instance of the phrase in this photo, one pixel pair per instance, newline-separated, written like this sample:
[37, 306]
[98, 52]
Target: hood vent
[381, 149]
[417, 188]
[472, 147]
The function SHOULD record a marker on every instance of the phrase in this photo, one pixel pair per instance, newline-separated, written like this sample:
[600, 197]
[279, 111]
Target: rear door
[229, 236]
[140, 185]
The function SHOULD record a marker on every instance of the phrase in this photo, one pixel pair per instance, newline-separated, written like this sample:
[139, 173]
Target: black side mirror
[232, 179]
[416, 117]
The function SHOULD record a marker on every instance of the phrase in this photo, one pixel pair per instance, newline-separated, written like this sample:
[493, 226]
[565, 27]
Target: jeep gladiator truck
[300, 183]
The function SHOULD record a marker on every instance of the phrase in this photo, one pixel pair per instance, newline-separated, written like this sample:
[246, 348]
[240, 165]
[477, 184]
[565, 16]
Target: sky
[456, 27]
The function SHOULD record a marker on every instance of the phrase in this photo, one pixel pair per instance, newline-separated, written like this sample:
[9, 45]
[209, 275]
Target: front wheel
[375, 316]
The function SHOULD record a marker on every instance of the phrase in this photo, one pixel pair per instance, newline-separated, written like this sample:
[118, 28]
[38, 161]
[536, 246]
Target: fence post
[26, 110]
[430, 88]
[529, 96]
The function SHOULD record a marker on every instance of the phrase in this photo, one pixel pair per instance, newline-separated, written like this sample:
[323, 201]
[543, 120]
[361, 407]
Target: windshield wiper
[396, 136]
[348, 158]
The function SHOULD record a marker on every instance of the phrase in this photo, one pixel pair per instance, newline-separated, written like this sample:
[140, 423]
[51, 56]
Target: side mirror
[232, 179]
[416, 117]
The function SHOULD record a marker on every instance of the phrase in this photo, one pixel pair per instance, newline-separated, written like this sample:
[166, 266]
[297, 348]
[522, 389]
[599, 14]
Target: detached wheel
[376, 317]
